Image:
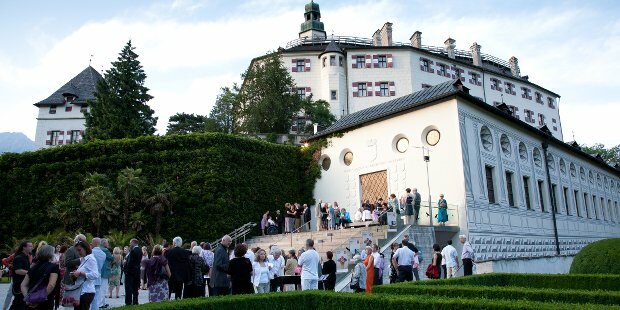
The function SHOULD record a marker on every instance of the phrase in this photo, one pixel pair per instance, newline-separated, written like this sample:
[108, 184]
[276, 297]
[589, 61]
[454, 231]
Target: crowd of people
[297, 217]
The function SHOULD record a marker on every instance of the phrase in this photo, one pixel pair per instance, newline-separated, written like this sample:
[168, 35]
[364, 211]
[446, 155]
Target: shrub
[517, 293]
[318, 300]
[221, 181]
[600, 257]
[552, 281]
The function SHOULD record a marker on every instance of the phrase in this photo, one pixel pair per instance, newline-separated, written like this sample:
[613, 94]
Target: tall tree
[318, 113]
[98, 200]
[120, 108]
[610, 155]
[267, 98]
[223, 112]
[130, 184]
[187, 123]
[162, 200]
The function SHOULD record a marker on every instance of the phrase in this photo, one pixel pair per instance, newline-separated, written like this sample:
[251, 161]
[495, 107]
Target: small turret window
[334, 95]
[332, 61]
[340, 60]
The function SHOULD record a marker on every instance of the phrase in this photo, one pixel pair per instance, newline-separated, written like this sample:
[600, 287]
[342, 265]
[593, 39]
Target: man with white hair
[100, 258]
[72, 260]
[220, 280]
[276, 259]
[467, 256]
[178, 260]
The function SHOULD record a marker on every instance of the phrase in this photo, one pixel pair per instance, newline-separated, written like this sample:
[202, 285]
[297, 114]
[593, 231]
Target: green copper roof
[313, 18]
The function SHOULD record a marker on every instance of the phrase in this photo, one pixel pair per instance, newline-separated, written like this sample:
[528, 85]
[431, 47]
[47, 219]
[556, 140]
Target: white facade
[497, 230]
[62, 121]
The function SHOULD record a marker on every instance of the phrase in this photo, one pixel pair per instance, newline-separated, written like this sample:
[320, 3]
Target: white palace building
[461, 123]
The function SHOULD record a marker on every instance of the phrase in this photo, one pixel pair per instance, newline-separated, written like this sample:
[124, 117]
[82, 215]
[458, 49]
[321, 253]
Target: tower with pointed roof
[61, 115]
[334, 78]
[312, 27]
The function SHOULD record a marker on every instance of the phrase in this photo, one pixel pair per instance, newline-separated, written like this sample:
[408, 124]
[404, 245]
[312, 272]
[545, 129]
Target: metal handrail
[370, 42]
[240, 232]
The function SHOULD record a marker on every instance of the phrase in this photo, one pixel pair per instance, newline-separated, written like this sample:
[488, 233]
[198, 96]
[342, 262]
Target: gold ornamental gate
[374, 186]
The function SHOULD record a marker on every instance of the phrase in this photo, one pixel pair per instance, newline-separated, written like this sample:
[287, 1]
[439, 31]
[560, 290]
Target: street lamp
[426, 152]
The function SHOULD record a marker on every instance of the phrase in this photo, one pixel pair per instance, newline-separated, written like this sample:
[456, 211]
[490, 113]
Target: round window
[402, 145]
[348, 158]
[326, 163]
[432, 137]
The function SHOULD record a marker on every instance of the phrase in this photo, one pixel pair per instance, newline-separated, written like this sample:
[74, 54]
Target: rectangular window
[551, 102]
[526, 93]
[334, 95]
[510, 88]
[526, 189]
[586, 204]
[425, 86]
[576, 198]
[554, 198]
[529, 116]
[301, 92]
[52, 109]
[425, 65]
[360, 61]
[541, 119]
[496, 84]
[361, 89]
[301, 65]
[68, 108]
[54, 137]
[490, 186]
[538, 97]
[383, 61]
[610, 210]
[566, 201]
[511, 199]
[595, 207]
[442, 70]
[474, 78]
[384, 89]
[332, 60]
[83, 109]
[603, 209]
[541, 198]
[75, 136]
[458, 74]
[340, 61]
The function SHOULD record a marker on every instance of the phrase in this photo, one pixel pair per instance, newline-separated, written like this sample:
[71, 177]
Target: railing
[238, 233]
[370, 42]
[453, 215]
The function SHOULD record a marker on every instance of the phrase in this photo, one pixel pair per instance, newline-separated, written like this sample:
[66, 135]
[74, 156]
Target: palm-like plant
[138, 221]
[67, 212]
[130, 184]
[99, 201]
[159, 202]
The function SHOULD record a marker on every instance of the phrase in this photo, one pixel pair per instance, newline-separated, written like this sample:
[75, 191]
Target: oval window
[326, 163]
[348, 158]
[486, 138]
[402, 145]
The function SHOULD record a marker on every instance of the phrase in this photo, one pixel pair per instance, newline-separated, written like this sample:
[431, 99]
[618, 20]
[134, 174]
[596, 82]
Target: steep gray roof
[394, 106]
[82, 86]
[332, 47]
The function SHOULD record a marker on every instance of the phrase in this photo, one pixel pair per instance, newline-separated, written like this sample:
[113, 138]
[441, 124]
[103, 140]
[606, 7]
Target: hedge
[600, 257]
[221, 180]
[517, 293]
[552, 281]
[318, 300]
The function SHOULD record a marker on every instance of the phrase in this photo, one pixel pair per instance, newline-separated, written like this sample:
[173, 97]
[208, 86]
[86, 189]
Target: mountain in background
[15, 142]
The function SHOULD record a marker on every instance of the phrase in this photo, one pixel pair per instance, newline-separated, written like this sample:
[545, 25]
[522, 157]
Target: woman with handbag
[358, 278]
[433, 269]
[85, 276]
[40, 281]
[157, 274]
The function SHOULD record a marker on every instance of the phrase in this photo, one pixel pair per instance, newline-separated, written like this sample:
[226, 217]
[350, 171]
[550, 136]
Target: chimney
[475, 54]
[514, 66]
[416, 39]
[386, 34]
[376, 38]
[450, 47]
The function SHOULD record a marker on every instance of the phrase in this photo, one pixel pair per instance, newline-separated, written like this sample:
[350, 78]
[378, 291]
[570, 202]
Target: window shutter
[308, 65]
[439, 69]
[375, 61]
[354, 89]
[377, 89]
[294, 68]
[368, 61]
[68, 109]
[49, 133]
[60, 142]
[62, 132]
[369, 89]
[390, 61]
[308, 91]
[67, 141]
[392, 89]
[430, 66]
[48, 142]
[353, 61]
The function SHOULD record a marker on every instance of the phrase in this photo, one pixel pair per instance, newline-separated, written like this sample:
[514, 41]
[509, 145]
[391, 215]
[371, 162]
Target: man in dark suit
[132, 273]
[220, 280]
[178, 260]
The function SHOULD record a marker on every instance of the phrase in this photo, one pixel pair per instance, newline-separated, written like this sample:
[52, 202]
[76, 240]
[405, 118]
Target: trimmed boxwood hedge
[318, 300]
[552, 281]
[493, 292]
[221, 180]
[600, 257]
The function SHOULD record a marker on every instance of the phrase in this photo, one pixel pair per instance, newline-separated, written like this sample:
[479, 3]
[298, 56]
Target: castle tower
[334, 79]
[312, 27]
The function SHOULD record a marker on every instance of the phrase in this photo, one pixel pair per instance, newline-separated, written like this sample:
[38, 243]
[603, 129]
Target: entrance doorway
[374, 185]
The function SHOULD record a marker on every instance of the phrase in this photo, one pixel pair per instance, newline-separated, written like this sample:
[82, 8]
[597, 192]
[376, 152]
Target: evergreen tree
[187, 123]
[318, 113]
[267, 99]
[120, 109]
[223, 112]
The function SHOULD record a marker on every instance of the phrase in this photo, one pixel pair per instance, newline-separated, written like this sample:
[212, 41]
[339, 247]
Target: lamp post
[426, 152]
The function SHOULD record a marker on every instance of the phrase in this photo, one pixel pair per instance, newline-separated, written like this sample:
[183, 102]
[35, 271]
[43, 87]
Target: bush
[600, 257]
[318, 300]
[517, 293]
[221, 181]
[551, 281]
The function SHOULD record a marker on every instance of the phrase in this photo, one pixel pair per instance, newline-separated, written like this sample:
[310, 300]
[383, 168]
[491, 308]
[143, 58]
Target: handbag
[71, 297]
[38, 293]
[432, 272]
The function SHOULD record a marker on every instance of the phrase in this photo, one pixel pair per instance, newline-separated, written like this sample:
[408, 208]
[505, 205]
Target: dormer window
[53, 109]
[69, 99]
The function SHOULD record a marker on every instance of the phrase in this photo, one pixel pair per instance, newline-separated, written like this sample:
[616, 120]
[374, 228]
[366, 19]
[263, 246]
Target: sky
[192, 48]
